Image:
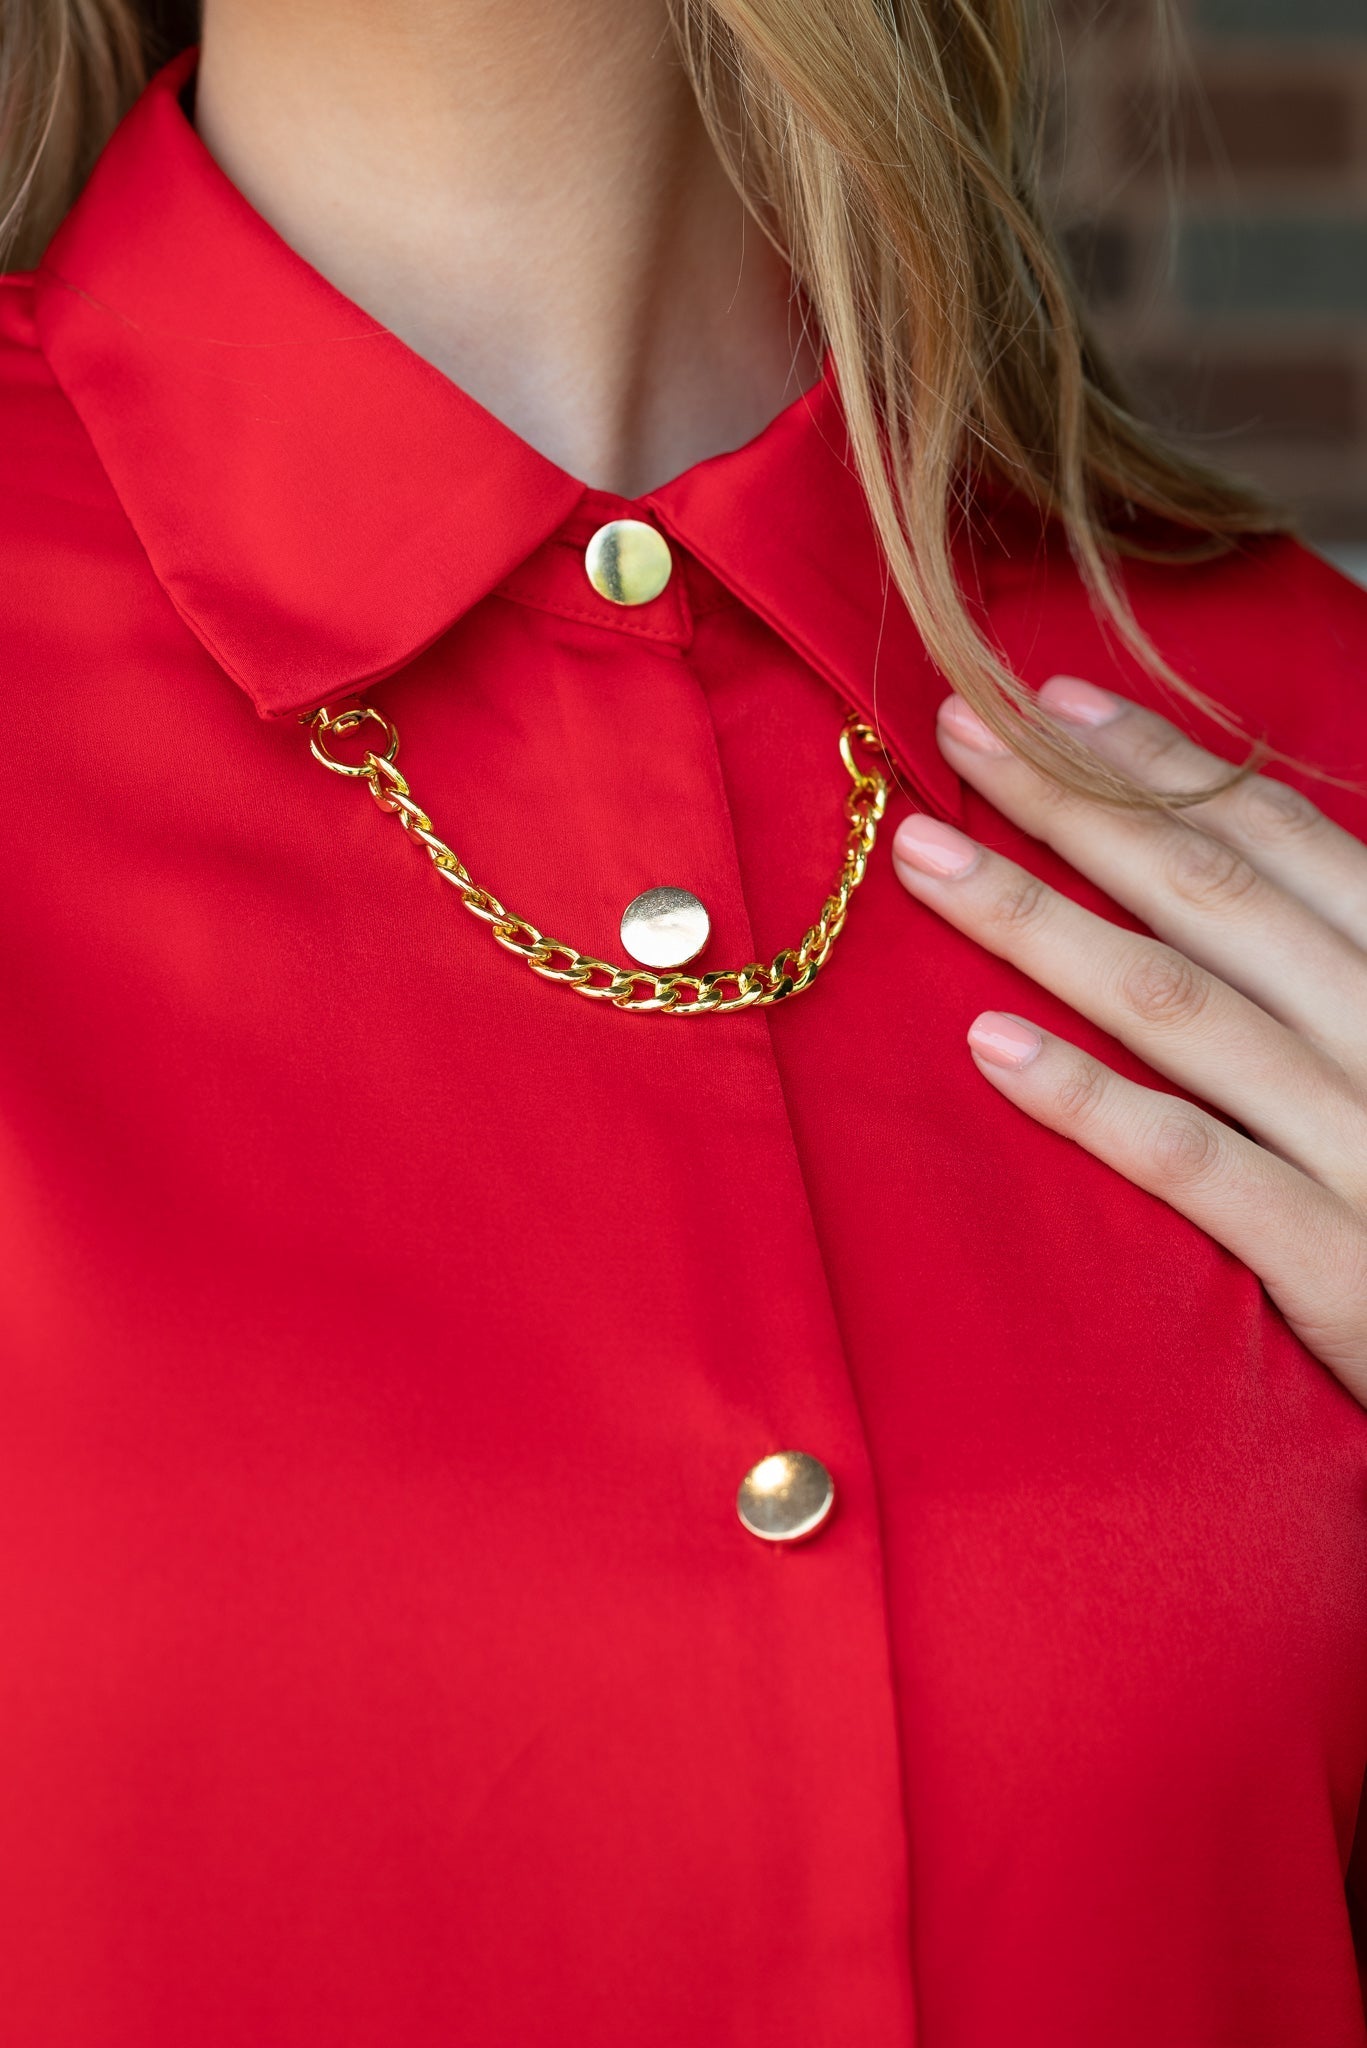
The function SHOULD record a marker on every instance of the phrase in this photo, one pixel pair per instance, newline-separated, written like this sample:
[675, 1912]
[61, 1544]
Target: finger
[1182, 1020]
[1305, 1244]
[1279, 830]
[1194, 890]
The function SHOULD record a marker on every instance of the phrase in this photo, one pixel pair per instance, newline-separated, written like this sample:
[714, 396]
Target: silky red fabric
[385, 1331]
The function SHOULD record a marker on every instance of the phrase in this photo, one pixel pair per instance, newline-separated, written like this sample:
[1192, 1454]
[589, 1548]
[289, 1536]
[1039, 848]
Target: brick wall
[1237, 302]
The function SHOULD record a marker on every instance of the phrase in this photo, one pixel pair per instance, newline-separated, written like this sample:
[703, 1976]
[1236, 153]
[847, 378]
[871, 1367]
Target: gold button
[665, 927]
[628, 562]
[785, 1497]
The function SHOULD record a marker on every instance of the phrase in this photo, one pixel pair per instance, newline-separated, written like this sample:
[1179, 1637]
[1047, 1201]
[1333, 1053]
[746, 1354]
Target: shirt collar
[320, 504]
[784, 523]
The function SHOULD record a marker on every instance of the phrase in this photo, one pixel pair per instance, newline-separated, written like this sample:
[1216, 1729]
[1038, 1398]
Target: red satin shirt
[385, 1331]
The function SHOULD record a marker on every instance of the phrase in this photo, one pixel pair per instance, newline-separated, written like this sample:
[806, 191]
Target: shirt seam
[594, 617]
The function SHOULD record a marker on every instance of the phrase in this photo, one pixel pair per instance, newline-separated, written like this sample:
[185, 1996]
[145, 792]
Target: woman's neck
[524, 191]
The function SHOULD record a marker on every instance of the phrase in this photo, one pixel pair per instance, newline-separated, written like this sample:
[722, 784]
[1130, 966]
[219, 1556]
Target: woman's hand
[1253, 996]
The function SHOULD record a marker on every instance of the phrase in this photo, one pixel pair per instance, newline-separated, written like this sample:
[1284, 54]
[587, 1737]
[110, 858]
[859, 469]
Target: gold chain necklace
[643, 989]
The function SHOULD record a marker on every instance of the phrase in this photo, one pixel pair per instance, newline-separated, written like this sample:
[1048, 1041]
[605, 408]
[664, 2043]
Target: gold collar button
[628, 562]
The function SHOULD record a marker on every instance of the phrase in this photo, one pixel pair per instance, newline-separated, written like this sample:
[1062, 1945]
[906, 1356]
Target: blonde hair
[892, 151]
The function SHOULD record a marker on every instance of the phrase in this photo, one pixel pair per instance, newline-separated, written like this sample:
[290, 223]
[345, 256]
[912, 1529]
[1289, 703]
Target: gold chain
[626, 988]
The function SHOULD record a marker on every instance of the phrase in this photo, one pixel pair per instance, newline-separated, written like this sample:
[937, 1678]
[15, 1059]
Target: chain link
[626, 988]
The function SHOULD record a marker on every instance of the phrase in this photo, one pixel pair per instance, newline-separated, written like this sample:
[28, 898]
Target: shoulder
[1281, 629]
[1269, 631]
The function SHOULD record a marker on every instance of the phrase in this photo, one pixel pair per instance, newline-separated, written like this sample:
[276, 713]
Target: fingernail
[935, 848]
[1080, 703]
[1004, 1041]
[965, 726]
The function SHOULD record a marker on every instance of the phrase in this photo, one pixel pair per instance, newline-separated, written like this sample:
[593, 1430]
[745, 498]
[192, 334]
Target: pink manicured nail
[964, 725]
[1003, 1041]
[1080, 703]
[937, 849]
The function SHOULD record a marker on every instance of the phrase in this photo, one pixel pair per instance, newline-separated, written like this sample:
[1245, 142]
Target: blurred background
[1214, 190]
